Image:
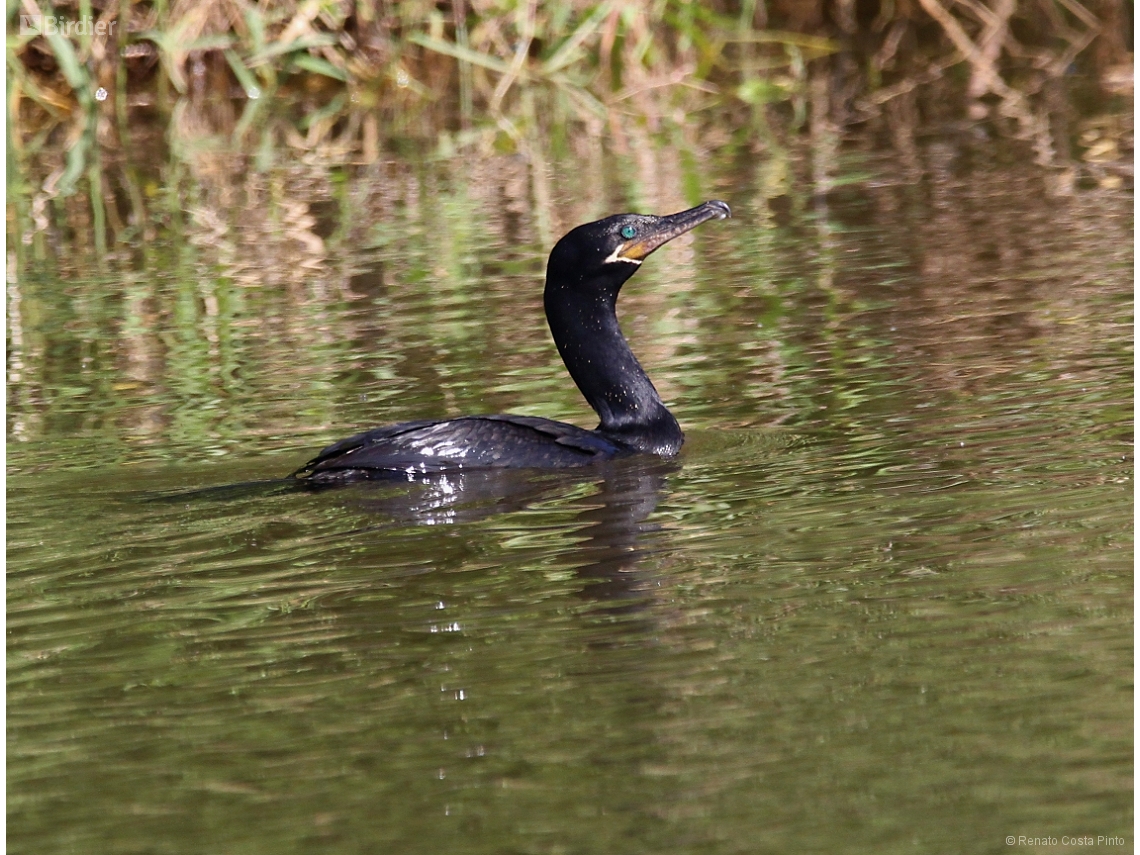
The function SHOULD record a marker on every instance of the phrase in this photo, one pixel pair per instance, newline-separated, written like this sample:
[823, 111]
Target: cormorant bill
[585, 272]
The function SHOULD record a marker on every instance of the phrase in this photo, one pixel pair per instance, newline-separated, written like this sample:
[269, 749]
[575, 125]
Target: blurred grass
[394, 56]
[461, 64]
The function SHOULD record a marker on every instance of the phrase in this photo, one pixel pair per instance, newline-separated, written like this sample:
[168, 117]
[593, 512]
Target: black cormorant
[585, 272]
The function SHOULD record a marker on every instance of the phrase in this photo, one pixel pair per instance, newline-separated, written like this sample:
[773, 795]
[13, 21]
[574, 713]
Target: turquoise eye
[628, 231]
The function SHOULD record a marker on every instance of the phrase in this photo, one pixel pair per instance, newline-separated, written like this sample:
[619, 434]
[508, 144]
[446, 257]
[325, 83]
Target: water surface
[882, 603]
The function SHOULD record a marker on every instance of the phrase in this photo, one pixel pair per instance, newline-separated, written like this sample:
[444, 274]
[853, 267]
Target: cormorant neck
[583, 321]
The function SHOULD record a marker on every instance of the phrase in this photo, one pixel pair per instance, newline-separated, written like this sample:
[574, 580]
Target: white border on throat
[614, 256]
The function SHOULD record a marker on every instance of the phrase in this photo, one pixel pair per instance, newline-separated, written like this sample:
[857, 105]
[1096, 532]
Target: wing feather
[426, 447]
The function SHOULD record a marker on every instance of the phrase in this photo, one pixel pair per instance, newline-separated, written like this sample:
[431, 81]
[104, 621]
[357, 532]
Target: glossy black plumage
[584, 275]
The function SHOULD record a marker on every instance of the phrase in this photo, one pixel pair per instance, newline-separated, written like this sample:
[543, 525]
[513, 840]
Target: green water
[883, 603]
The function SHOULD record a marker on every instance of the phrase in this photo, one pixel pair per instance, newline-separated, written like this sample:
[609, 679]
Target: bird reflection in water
[612, 523]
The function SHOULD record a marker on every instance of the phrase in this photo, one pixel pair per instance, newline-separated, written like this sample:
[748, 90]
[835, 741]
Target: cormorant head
[609, 251]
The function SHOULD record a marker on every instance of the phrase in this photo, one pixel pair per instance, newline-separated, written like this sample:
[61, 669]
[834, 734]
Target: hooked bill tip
[720, 207]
